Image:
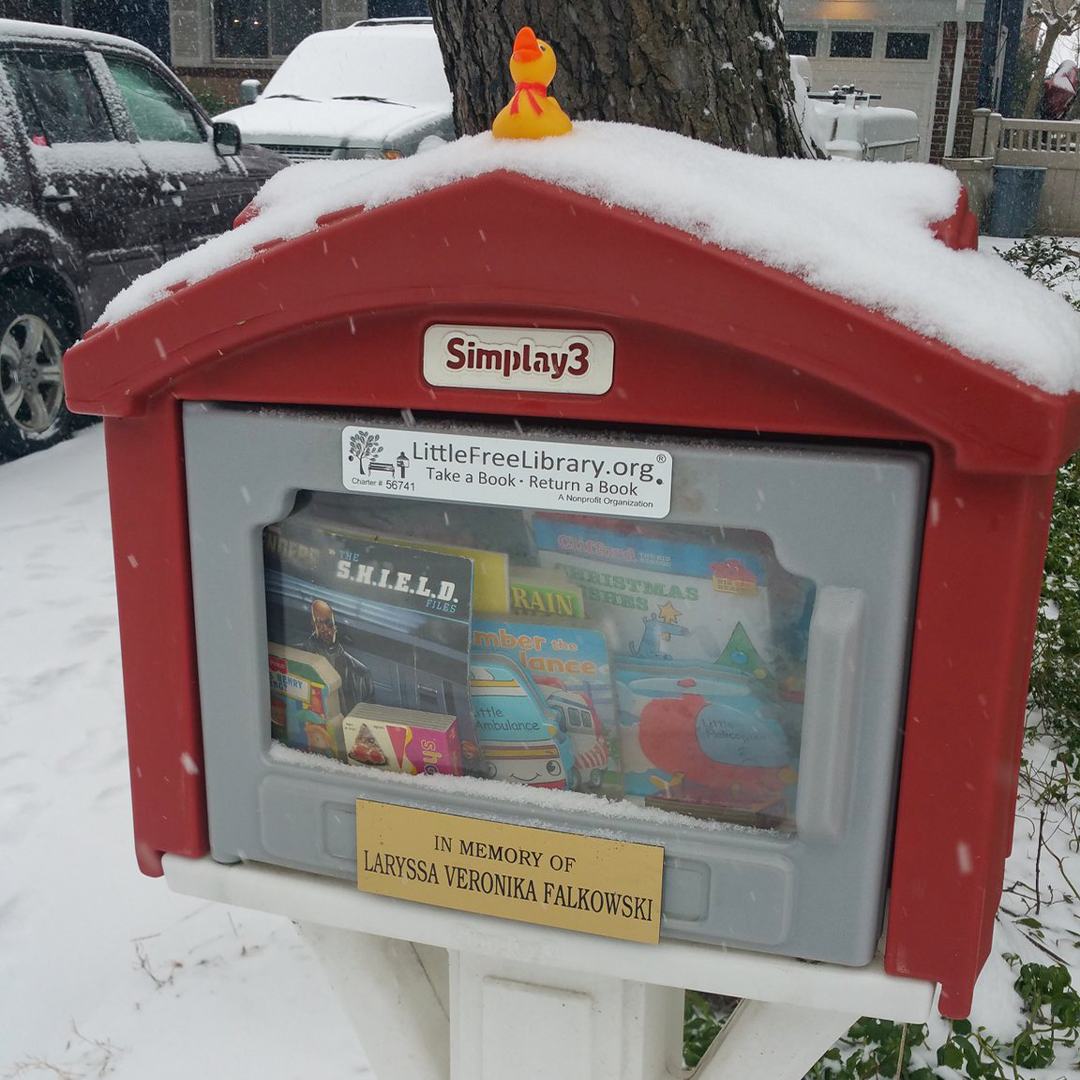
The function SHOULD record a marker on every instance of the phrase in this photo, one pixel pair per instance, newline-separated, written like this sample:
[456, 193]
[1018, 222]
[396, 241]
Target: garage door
[899, 63]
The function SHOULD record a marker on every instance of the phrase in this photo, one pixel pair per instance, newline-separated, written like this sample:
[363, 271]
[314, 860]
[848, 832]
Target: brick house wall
[969, 86]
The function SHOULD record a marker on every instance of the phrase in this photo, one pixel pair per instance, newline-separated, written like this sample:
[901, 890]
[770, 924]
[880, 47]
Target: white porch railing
[1053, 145]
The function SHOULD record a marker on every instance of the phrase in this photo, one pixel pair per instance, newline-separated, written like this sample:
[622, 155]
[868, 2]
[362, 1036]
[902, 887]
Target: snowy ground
[106, 973]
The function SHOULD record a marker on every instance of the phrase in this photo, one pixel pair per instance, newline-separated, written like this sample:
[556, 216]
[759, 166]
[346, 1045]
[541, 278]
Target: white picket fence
[1053, 145]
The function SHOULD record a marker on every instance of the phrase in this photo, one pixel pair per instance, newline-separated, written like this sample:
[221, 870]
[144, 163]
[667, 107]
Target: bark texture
[716, 70]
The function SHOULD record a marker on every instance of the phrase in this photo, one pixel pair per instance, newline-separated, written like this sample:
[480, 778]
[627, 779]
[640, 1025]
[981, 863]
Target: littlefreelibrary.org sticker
[586, 477]
[586, 883]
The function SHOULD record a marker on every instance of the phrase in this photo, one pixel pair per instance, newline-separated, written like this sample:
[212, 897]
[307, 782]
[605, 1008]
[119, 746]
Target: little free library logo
[543, 360]
[630, 480]
[598, 886]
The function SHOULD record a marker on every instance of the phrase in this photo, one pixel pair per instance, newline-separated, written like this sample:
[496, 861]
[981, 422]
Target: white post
[957, 75]
[767, 1041]
[494, 1018]
[395, 994]
[978, 133]
[436, 994]
[530, 1022]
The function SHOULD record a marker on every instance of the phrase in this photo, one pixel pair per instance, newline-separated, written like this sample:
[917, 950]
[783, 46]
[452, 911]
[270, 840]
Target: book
[402, 740]
[491, 586]
[305, 708]
[703, 666]
[522, 738]
[451, 528]
[391, 621]
[568, 667]
[544, 594]
[707, 747]
[668, 598]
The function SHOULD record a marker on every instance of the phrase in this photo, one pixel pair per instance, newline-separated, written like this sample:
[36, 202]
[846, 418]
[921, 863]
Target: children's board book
[537, 593]
[667, 601]
[698, 659]
[569, 668]
[402, 740]
[305, 710]
[392, 622]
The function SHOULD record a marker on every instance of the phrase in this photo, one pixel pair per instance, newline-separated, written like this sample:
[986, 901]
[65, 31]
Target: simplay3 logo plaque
[546, 361]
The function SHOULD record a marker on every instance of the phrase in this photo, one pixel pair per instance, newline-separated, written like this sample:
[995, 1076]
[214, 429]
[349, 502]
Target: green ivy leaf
[950, 1055]
[1032, 1053]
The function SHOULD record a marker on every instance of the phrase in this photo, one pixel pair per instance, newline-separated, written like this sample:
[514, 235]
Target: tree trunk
[716, 70]
[1042, 62]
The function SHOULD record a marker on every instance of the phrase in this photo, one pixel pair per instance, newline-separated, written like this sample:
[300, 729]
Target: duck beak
[526, 47]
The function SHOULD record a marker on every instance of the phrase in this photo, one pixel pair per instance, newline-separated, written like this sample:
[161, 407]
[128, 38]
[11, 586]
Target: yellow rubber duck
[531, 114]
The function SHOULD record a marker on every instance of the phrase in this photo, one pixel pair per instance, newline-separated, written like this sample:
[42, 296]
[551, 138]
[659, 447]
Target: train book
[544, 594]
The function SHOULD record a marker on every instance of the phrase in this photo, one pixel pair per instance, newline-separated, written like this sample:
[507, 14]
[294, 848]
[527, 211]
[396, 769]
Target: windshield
[399, 63]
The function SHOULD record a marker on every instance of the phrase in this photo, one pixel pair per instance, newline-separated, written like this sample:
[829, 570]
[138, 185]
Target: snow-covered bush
[1055, 670]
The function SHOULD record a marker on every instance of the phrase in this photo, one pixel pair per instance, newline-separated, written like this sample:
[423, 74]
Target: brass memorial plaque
[598, 886]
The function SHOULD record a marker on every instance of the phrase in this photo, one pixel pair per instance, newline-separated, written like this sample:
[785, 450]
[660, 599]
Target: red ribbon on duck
[531, 90]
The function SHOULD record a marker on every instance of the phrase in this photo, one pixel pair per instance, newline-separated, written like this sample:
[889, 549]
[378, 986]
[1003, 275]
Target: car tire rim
[31, 380]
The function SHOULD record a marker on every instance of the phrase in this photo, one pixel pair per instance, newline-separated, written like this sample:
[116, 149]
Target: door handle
[51, 195]
[175, 192]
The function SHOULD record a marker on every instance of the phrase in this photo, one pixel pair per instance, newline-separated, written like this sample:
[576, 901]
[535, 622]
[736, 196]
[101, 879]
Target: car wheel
[33, 337]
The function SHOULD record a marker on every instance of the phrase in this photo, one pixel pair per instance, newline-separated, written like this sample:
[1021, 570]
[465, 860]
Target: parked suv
[376, 89]
[108, 167]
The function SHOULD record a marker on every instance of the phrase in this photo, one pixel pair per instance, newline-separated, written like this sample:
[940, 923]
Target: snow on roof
[15, 28]
[855, 229]
[399, 61]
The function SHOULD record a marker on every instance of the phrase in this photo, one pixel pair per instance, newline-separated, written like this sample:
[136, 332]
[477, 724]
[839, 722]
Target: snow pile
[104, 972]
[856, 229]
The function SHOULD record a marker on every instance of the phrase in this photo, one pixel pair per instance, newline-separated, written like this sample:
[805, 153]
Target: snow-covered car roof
[399, 61]
[859, 230]
[30, 31]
